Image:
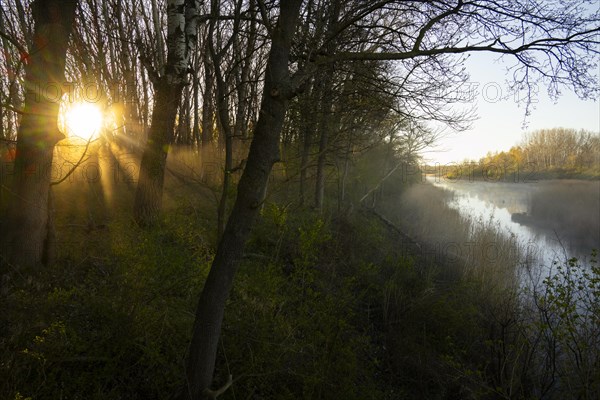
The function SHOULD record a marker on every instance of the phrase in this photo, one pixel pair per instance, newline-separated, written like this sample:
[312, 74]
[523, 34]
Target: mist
[570, 209]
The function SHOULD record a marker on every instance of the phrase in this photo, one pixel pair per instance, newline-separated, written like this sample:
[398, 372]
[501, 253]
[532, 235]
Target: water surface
[554, 218]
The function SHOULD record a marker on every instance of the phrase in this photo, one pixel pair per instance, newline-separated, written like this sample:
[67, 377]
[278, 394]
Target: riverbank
[546, 312]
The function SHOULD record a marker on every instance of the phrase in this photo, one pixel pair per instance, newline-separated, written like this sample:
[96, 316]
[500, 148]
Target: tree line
[555, 152]
[309, 85]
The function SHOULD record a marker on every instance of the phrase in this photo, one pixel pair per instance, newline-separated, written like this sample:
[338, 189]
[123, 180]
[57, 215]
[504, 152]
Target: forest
[543, 154]
[224, 199]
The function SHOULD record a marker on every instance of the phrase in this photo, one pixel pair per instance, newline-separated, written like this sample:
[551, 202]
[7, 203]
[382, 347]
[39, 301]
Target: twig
[87, 146]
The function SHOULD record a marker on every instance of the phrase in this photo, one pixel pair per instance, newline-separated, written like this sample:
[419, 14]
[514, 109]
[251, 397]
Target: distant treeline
[545, 153]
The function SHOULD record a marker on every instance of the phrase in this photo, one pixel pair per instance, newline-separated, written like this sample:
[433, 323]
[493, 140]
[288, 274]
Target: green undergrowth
[109, 319]
[322, 308]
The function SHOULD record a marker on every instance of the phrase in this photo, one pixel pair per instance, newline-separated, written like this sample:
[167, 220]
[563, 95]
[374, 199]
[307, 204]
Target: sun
[83, 120]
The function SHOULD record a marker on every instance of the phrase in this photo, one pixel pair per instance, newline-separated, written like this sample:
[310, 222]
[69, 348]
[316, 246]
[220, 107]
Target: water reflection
[510, 206]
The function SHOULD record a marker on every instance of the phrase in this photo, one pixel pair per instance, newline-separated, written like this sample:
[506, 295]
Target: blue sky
[500, 122]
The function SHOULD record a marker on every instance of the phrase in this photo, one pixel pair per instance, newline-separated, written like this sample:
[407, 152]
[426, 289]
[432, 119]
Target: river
[557, 219]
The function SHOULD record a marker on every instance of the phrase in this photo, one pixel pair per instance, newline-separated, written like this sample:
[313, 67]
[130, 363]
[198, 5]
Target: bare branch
[432, 22]
[77, 164]
[265, 16]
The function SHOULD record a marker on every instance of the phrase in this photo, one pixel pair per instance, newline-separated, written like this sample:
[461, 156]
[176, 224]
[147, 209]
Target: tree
[25, 235]
[182, 17]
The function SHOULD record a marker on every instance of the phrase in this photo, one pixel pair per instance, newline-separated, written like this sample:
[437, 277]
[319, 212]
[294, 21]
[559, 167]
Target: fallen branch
[213, 394]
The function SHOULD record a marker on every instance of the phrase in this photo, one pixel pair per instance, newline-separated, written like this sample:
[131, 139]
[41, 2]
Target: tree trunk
[325, 127]
[181, 41]
[304, 164]
[264, 152]
[148, 196]
[321, 161]
[225, 123]
[207, 104]
[347, 154]
[241, 119]
[26, 234]
[7, 131]
[196, 127]
[184, 121]
[222, 103]
[222, 211]
[307, 112]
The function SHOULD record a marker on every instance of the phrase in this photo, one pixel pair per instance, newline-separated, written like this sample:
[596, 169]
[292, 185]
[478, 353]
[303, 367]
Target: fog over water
[554, 218]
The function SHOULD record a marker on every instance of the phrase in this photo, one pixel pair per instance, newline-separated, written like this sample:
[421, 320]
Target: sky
[501, 120]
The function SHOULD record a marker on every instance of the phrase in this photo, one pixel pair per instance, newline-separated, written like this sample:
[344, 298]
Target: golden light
[83, 120]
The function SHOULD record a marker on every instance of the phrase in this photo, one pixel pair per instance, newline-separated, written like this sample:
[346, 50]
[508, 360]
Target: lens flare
[83, 120]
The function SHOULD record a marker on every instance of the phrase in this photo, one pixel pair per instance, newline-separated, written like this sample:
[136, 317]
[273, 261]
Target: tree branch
[265, 16]
[152, 73]
[432, 22]
[537, 45]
